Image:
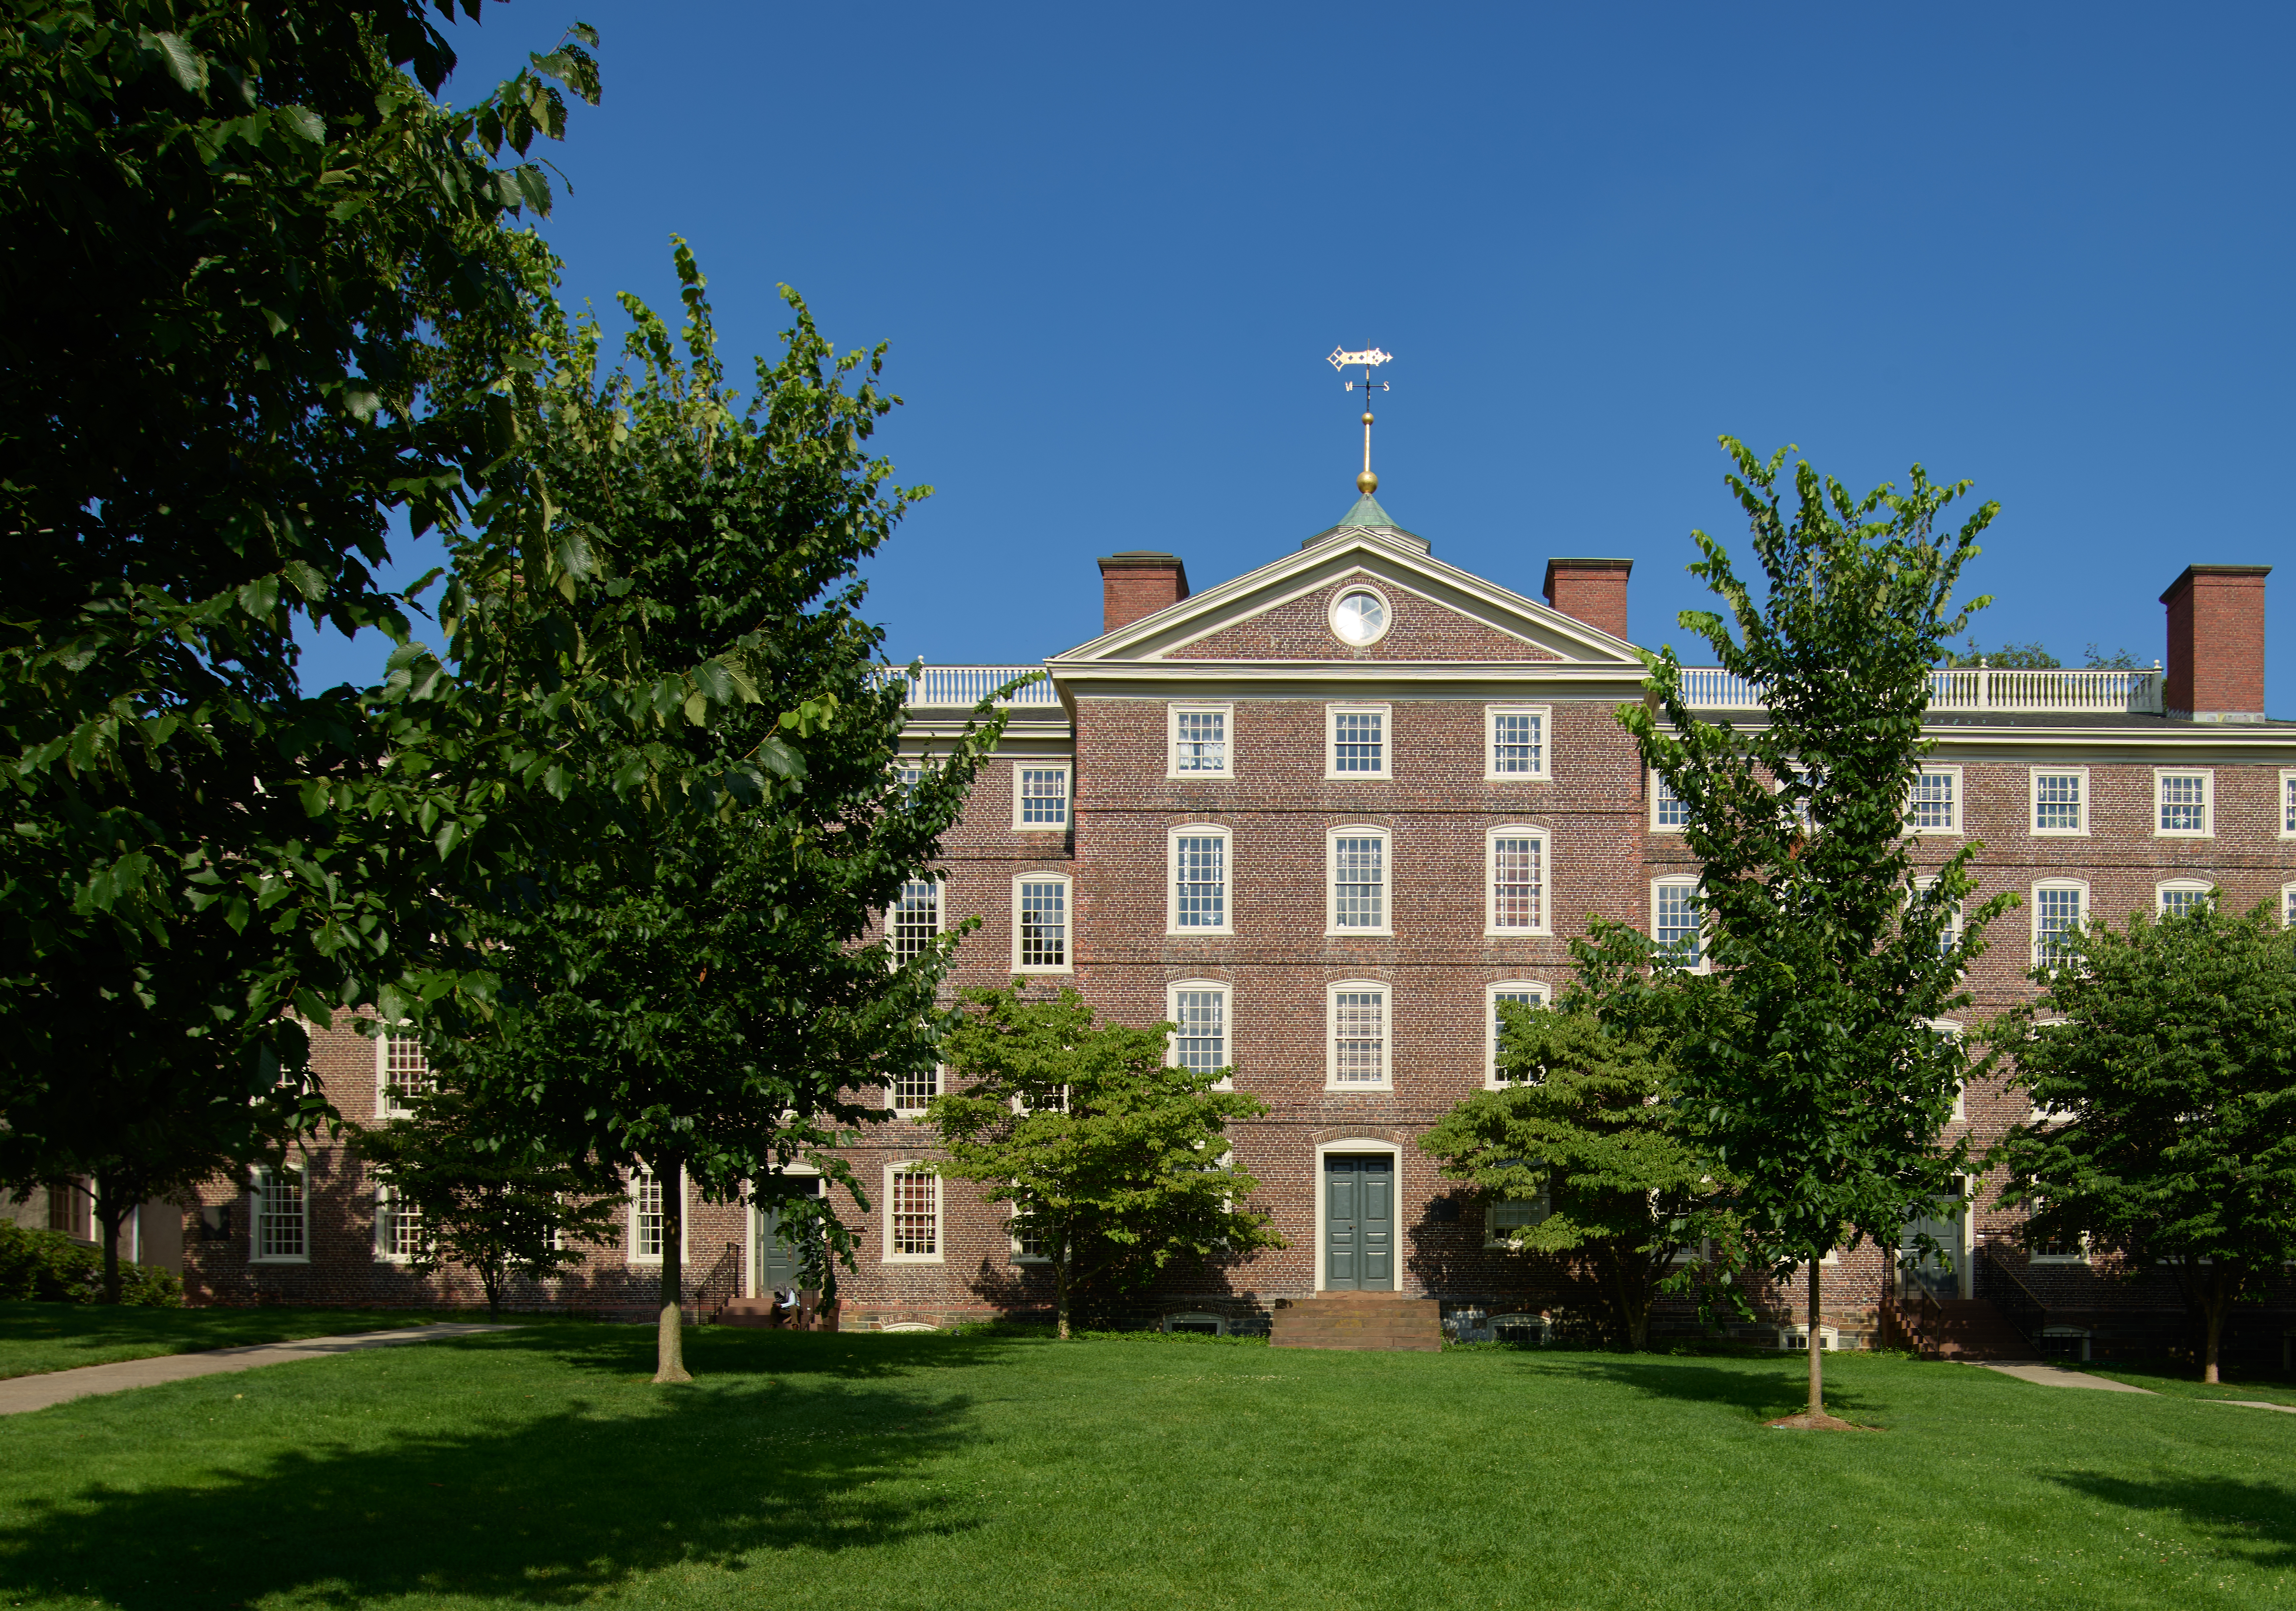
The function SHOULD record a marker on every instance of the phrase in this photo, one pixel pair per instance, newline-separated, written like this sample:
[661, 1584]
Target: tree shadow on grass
[552, 1508]
[711, 1352]
[2255, 1521]
[1753, 1386]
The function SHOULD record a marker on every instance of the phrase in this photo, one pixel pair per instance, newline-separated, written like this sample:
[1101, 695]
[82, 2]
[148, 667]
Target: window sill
[1360, 1088]
[1518, 777]
[1048, 972]
[1224, 932]
[1543, 932]
[2059, 833]
[1358, 777]
[281, 1258]
[1332, 933]
[1040, 827]
[2183, 833]
[916, 1258]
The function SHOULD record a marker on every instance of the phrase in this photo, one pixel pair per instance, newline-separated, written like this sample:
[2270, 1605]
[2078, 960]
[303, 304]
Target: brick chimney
[1593, 591]
[1138, 583]
[2216, 643]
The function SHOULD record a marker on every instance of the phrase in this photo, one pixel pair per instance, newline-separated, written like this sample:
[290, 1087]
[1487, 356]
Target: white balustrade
[962, 687]
[2051, 691]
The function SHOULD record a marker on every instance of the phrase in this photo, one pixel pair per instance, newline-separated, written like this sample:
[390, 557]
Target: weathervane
[1367, 483]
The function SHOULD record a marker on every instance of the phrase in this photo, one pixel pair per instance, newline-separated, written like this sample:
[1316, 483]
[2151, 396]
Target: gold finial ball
[1368, 483]
[1366, 416]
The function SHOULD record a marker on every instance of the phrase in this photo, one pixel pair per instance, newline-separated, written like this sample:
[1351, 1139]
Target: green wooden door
[776, 1259]
[1359, 1224]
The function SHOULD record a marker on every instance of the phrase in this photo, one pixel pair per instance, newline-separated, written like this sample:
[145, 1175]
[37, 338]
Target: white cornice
[1354, 679]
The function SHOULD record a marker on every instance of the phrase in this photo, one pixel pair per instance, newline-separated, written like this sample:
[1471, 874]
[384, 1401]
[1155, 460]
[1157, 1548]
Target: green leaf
[184, 65]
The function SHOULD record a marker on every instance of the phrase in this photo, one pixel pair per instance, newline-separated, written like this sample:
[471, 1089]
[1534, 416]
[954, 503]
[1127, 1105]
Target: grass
[540, 1468]
[36, 1337]
[2182, 1381]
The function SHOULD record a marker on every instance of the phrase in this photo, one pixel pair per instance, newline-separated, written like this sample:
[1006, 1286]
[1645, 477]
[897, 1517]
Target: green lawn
[2182, 1381]
[35, 1337]
[540, 1468]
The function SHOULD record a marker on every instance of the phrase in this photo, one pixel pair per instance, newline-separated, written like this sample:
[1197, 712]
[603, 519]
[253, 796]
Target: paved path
[2051, 1376]
[23, 1393]
[2252, 1404]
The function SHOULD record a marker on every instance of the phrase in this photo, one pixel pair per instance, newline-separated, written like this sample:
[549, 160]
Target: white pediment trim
[1154, 637]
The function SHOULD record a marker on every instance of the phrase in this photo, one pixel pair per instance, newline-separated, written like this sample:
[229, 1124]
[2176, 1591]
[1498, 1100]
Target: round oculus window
[1360, 616]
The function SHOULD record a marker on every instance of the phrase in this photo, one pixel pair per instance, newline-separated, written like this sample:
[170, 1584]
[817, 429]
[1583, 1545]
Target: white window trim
[1172, 740]
[2285, 806]
[893, 1093]
[1518, 830]
[2081, 1257]
[2207, 828]
[630, 1254]
[255, 1217]
[1491, 994]
[1199, 830]
[1331, 1081]
[1354, 585]
[939, 880]
[2288, 905]
[1227, 1021]
[1358, 830]
[1544, 771]
[1955, 828]
[939, 1256]
[1953, 1030]
[1357, 1144]
[1068, 796]
[1652, 784]
[2161, 892]
[2034, 906]
[2033, 777]
[1067, 913]
[1705, 927]
[1925, 882]
[384, 1107]
[1013, 1233]
[1386, 713]
[1492, 1240]
[386, 1197]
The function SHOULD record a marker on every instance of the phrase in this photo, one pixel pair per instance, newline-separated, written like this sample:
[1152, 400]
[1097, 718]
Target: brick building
[1323, 817]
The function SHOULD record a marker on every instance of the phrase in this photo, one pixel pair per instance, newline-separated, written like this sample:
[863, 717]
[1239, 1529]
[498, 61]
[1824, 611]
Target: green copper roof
[1367, 513]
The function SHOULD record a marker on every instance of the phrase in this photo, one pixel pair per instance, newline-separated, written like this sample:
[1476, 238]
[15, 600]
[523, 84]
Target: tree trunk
[669, 1339]
[2214, 1308]
[1060, 1295]
[109, 1217]
[1816, 1350]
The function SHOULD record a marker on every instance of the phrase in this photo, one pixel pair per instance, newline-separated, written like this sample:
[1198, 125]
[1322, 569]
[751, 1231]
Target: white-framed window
[912, 1214]
[1514, 743]
[1040, 796]
[1515, 873]
[1028, 1239]
[398, 1235]
[2180, 897]
[401, 1072]
[1355, 866]
[1936, 803]
[1951, 1031]
[907, 774]
[913, 921]
[1199, 740]
[1360, 614]
[1678, 920]
[1531, 992]
[2060, 910]
[2288, 905]
[1668, 812]
[1197, 893]
[2061, 1251]
[1950, 934]
[913, 1091]
[2184, 802]
[1040, 924]
[1360, 1055]
[281, 1232]
[2288, 804]
[1355, 742]
[1503, 1217]
[2060, 800]
[648, 1223]
[1199, 1011]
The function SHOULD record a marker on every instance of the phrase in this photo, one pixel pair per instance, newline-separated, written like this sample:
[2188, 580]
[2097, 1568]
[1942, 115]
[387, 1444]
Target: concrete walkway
[2051, 1376]
[23, 1393]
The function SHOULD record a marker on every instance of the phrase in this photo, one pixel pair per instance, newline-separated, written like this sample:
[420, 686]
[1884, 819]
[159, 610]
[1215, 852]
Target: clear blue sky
[2045, 247]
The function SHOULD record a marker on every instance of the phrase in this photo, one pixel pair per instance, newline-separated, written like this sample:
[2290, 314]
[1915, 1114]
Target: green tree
[691, 986]
[1591, 1126]
[480, 1194]
[2162, 1060]
[2006, 657]
[263, 289]
[1822, 1089]
[1113, 1158]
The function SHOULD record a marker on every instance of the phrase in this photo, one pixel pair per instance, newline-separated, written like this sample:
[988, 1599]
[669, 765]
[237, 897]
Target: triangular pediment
[1279, 612]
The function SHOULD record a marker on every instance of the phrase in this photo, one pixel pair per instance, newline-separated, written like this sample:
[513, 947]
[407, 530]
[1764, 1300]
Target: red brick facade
[2216, 642]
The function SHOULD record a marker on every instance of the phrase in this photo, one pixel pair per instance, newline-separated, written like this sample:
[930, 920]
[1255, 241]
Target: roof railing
[962, 687]
[1960, 689]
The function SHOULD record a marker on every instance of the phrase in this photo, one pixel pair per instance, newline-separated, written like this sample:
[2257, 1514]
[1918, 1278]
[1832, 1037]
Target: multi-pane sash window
[1041, 938]
[1950, 935]
[1668, 812]
[1359, 1035]
[1029, 1241]
[915, 918]
[914, 1090]
[2288, 804]
[1358, 740]
[2182, 897]
[1200, 1029]
[1528, 996]
[1200, 741]
[1676, 920]
[406, 1072]
[2058, 911]
[1043, 794]
[2059, 802]
[1199, 880]
[1518, 879]
[1360, 882]
[2057, 1249]
[2182, 801]
[282, 1224]
[397, 1225]
[1937, 801]
[1518, 744]
[646, 1217]
[912, 1220]
[2288, 905]
[1504, 1218]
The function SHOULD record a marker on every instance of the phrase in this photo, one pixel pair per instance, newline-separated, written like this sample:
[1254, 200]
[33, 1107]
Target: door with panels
[1359, 1222]
[776, 1259]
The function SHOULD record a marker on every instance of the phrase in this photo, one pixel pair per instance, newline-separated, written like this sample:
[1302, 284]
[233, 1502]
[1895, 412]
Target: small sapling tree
[1113, 1157]
[2161, 1061]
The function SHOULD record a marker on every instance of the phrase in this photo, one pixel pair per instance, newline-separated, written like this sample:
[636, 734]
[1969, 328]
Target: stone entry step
[1376, 1321]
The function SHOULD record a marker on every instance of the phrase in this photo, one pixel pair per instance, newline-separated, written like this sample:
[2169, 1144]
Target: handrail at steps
[713, 1291]
[1998, 1284]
